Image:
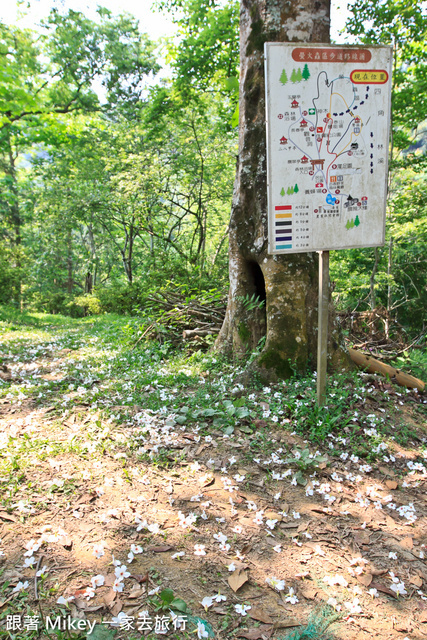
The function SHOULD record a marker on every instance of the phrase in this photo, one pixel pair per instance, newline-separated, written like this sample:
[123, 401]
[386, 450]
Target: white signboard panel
[328, 118]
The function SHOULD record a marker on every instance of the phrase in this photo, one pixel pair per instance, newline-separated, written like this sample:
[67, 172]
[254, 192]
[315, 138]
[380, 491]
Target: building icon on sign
[317, 163]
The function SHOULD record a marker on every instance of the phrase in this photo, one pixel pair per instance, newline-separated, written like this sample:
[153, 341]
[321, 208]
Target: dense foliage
[114, 182]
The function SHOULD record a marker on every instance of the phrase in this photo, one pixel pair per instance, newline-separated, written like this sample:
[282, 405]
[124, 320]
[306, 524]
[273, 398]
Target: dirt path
[130, 487]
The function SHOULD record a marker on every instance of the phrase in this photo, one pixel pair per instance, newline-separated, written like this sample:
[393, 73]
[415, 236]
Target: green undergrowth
[92, 365]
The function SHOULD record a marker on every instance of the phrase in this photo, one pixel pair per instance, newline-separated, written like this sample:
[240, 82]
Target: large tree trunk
[287, 283]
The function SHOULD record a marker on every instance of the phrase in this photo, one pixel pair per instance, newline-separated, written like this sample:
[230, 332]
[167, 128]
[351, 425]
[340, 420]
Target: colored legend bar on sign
[283, 226]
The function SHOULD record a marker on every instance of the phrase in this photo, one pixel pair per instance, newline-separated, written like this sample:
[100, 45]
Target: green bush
[123, 298]
[90, 304]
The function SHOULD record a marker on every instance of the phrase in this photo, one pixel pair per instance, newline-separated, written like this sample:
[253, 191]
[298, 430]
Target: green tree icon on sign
[305, 72]
[296, 189]
[294, 76]
[283, 77]
[282, 192]
[356, 221]
[299, 75]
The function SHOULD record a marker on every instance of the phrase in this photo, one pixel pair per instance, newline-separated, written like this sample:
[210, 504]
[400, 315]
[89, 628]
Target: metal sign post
[322, 338]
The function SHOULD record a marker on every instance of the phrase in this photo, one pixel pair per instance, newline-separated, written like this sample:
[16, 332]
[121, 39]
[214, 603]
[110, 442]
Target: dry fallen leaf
[308, 592]
[273, 515]
[136, 593]
[362, 537]
[237, 579]
[200, 450]
[116, 608]
[161, 549]
[7, 516]
[110, 579]
[207, 482]
[407, 543]
[365, 579]
[417, 581]
[391, 484]
[260, 423]
[286, 624]
[140, 577]
[383, 589]
[256, 613]
[109, 598]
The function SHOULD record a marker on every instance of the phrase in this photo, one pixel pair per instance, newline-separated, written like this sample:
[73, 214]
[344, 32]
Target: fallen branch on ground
[372, 365]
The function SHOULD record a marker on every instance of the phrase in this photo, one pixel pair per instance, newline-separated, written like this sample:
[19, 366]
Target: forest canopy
[116, 182]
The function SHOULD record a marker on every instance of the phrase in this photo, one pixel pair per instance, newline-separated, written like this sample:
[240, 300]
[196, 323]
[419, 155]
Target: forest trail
[135, 480]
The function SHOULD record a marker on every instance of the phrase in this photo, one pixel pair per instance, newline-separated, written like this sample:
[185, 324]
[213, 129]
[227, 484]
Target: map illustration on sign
[327, 145]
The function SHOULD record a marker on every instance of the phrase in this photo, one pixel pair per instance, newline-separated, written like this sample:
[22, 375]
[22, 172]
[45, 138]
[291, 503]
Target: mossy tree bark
[287, 283]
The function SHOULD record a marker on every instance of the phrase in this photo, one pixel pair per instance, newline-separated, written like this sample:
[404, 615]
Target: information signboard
[328, 120]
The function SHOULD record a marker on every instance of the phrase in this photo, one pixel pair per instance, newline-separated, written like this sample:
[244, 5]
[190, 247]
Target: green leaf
[208, 628]
[101, 632]
[245, 429]
[184, 409]
[229, 430]
[179, 605]
[209, 412]
[242, 412]
[235, 117]
[300, 478]
[231, 84]
[167, 596]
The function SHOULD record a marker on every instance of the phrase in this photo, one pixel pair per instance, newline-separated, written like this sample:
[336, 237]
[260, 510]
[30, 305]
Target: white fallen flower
[354, 606]
[242, 608]
[20, 586]
[199, 550]
[207, 602]
[275, 583]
